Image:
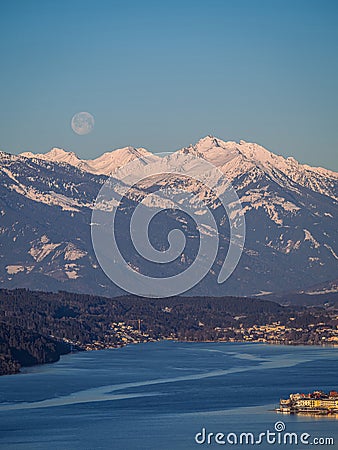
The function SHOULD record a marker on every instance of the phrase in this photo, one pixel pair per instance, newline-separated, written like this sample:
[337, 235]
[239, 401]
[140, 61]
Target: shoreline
[116, 347]
[38, 327]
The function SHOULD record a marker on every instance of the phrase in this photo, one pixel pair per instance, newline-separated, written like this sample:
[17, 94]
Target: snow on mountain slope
[60, 156]
[290, 212]
[48, 182]
[235, 159]
[105, 164]
[232, 158]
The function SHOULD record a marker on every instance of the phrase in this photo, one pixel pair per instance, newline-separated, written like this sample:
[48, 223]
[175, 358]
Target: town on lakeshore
[38, 327]
[274, 333]
[316, 403]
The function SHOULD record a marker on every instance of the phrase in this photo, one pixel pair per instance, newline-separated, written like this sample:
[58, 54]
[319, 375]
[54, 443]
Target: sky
[163, 74]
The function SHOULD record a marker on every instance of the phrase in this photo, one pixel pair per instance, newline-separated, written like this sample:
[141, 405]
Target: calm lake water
[157, 396]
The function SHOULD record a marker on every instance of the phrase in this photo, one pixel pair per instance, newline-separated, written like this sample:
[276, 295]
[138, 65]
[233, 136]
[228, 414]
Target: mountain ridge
[290, 212]
[57, 154]
[104, 164]
[230, 157]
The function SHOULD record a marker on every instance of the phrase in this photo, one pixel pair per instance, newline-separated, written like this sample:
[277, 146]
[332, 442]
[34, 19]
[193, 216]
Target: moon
[82, 123]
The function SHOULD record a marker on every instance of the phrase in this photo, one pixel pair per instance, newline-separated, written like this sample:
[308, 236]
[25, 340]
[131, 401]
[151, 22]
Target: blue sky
[163, 74]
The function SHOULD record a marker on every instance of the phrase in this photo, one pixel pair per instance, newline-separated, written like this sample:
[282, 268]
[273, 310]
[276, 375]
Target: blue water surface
[158, 396]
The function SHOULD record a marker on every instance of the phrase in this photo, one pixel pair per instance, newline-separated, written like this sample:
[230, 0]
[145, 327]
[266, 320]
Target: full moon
[82, 123]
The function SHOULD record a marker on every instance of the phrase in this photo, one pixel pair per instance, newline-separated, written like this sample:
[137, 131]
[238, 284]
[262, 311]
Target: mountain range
[290, 213]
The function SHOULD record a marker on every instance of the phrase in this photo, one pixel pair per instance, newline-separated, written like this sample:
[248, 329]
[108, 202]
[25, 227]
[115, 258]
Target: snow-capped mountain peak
[56, 155]
[59, 153]
[109, 162]
[209, 142]
[234, 159]
[105, 164]
[289, 208]
[211, 145]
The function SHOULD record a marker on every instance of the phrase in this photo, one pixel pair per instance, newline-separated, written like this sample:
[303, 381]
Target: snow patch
[71, 270]
[14, 269]
[331, 250]
[42, 249]
[309, 237]
[72, 253]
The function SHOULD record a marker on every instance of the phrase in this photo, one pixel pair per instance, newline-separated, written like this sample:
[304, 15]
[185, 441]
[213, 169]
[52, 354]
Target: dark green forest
[38, 327]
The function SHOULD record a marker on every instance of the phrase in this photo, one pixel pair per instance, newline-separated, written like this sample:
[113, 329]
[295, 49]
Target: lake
[159, 396]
